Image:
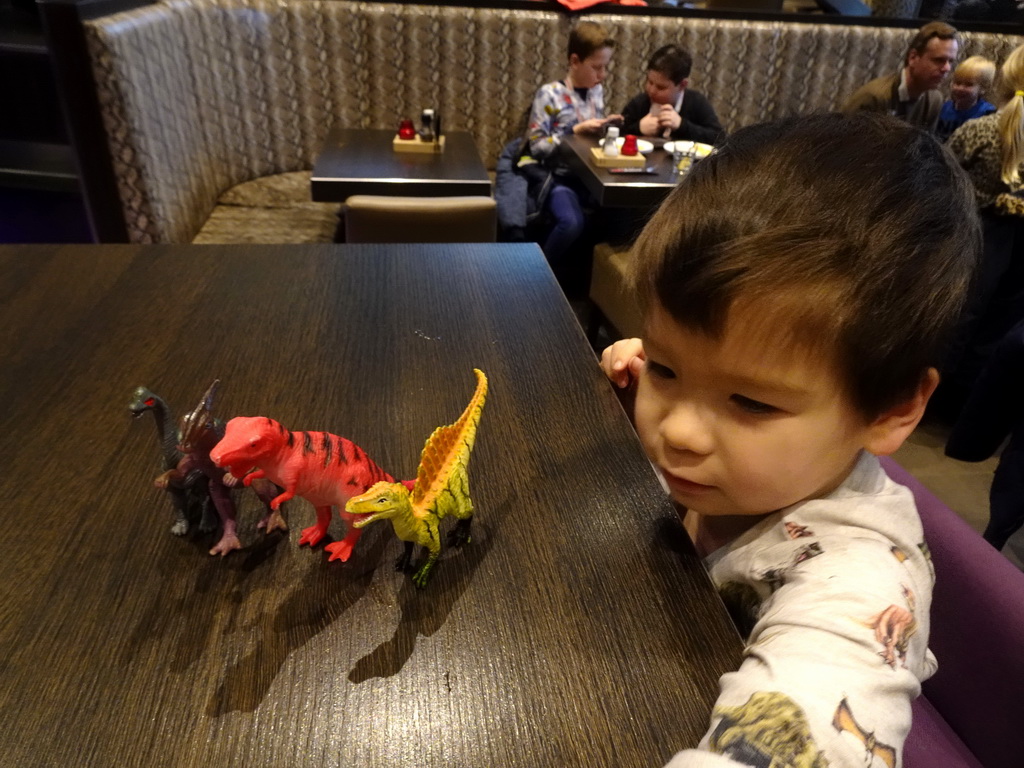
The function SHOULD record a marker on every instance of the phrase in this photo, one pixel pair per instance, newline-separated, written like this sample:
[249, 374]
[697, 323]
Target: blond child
[972, 80]
[798, 288]
[572, 105]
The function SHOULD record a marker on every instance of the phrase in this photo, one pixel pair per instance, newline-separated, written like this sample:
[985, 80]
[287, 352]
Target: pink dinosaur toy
[325, 469]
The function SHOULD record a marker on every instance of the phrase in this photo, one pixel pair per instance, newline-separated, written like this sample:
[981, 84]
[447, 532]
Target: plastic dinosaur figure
[325, 469]
[199, 431]
[441, 489]
[192, 500]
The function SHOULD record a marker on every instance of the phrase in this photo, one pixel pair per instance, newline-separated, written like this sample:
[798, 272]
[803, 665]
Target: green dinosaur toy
[442, 489]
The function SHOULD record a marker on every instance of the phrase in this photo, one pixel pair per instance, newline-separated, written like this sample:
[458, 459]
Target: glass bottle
[610, 148]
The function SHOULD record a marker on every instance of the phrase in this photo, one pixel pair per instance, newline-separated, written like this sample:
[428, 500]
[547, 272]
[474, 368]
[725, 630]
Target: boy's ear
[574, 59]
[683, 83]
[888, 431]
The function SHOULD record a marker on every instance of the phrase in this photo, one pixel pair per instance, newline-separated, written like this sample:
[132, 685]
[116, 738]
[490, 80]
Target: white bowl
[695, 148]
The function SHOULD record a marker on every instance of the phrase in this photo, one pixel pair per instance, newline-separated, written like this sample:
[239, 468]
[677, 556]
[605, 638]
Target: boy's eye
[659, 370]
[753, 406]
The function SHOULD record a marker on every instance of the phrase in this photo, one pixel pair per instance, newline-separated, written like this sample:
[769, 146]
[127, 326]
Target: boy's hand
[622, 361]
[590, 127]
[596, 125]
[669, 118]
[649, 125]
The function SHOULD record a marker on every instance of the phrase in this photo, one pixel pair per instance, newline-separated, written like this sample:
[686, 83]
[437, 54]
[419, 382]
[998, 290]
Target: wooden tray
[618, 161]
[417, 145]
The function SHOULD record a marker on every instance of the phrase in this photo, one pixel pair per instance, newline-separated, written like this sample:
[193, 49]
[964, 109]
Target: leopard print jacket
[978, 148]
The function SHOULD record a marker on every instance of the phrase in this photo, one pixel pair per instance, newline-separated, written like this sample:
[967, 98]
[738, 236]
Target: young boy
[798, 288]
[666, 108]
[573, 105]
[971, 80]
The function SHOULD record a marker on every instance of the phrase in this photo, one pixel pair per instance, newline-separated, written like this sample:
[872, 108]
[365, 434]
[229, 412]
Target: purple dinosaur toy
[199, 432]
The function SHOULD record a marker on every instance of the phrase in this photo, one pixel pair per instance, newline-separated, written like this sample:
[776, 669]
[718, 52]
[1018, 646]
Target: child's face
[965, 90]
[660, 89]
[739, 426]
[590, 71]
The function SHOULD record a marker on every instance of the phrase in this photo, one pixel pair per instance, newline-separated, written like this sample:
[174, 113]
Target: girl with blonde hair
[1011, 117]
[991, 150]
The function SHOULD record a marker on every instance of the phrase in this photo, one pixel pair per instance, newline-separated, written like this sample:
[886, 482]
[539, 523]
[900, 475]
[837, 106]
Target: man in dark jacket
[666, 108]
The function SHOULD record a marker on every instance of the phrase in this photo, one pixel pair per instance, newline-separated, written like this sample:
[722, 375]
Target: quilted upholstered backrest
[199, 95]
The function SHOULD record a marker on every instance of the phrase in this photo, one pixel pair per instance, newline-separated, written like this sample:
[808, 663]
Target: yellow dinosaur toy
[442, 489]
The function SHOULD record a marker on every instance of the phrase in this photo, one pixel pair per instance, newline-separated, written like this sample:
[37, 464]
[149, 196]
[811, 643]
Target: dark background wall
[39, 197]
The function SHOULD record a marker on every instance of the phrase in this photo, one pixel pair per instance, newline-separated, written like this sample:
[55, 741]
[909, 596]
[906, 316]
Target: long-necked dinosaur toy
[191, 499]
[441, 489]
[197, 432]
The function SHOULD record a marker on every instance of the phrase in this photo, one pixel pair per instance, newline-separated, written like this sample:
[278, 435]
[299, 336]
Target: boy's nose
[687, 428]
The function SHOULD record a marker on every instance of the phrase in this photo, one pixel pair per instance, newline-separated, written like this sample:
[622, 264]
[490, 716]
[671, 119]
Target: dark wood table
[356, 161]
[577, 628]
[621, 190]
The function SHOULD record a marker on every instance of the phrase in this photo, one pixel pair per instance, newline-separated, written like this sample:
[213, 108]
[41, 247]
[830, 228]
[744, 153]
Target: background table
[621, 190]
[357, 161]
[577, 628]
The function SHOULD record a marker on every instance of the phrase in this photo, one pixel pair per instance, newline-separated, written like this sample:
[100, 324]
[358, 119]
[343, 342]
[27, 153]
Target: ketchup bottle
[629, 145]
[406, 130]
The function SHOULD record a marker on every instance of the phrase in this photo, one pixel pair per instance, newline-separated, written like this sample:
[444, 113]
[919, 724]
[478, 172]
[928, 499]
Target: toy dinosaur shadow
[424, 611]
[197, 588]
[298, 620]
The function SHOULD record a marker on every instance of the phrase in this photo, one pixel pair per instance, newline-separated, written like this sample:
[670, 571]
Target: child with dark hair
[667, 108]
[798, 289]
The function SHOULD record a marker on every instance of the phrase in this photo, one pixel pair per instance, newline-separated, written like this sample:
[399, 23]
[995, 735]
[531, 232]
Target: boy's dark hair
[932, 29]
[587, 38]
[672, 61]
[858, 231]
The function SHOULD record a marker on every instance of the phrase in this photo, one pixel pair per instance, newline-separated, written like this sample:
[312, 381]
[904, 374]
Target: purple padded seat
[977, 634]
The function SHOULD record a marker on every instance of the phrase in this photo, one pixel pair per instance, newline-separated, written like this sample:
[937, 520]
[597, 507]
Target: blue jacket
[950, 119]
[519, 193]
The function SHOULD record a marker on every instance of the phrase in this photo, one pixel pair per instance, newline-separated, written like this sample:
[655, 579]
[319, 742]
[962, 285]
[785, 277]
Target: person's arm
[864, 98]
[542, 132]
[700, 123]
[633, 113]
[835, 657]
[964, 145]
[622, 363]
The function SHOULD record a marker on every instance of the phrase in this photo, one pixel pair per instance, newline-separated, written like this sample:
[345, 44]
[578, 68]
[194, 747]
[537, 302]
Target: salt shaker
[610, 148]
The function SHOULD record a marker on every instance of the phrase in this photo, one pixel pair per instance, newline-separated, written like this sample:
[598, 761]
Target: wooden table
[363, 162]
[621, 190]
[577, 628]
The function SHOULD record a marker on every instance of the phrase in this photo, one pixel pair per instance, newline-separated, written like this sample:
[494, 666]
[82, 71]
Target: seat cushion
[608, 289]
[299, 223]
[398, 219]
[932, 743]
[270, 210]
[977, 626]
[279, 190]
